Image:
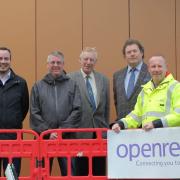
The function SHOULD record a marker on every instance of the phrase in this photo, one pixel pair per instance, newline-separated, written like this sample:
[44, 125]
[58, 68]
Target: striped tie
[90, 93]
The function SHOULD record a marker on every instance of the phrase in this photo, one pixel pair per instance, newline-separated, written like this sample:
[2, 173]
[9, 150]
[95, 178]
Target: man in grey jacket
[55, 102]
[94, 88]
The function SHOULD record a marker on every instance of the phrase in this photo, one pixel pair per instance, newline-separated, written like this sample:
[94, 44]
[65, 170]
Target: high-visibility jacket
[162, 102]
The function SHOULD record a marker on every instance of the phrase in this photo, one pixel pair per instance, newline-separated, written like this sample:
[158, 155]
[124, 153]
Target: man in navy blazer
[92, 117]
[133, 52]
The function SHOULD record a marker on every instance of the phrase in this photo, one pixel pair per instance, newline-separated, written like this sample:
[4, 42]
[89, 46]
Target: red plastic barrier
[22, 149]
[72, 148]
[39, 150]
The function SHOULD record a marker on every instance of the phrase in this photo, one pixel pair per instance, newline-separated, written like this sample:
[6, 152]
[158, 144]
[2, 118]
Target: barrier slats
[22, 148]
[70, 148]
[39, 149]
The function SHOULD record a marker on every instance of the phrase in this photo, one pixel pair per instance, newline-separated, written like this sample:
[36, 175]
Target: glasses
[5, 58]
[55, 63]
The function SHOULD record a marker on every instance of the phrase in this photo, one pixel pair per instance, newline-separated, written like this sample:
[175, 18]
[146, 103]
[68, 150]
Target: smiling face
[55, 65]
[88, 61]
[5, 61]
[157, 68]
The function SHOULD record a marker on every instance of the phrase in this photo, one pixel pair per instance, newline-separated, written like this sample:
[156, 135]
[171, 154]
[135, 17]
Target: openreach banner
[138, 154]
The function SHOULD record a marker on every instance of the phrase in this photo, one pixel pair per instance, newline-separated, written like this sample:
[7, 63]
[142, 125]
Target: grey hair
[58, 54]
[89, 49]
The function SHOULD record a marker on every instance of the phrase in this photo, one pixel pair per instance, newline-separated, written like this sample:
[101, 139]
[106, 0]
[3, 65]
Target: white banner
[138, 154]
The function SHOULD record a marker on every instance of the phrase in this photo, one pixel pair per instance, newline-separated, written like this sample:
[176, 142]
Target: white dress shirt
[5, 77]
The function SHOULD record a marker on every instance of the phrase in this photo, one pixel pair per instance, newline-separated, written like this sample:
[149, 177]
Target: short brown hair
[6, 49]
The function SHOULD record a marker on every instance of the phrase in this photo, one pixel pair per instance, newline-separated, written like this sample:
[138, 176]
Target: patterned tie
[90, 93]
[130, 87]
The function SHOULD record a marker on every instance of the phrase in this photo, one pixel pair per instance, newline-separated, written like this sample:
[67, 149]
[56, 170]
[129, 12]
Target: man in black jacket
[14, 102]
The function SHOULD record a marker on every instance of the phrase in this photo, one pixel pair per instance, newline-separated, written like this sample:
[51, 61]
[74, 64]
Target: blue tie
[131, 83]
[90, 93]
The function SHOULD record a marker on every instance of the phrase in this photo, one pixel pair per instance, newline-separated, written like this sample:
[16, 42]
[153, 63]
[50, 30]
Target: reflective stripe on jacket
[162, 102]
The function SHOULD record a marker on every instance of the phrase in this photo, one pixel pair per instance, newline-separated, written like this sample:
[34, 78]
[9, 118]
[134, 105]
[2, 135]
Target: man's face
[55, 66]
[133, 55]
[157, 68]
[5, 61]
[88, 61]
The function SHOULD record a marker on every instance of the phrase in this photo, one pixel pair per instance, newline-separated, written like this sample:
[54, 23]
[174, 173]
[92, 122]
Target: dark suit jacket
[123, 105]
[99, 118]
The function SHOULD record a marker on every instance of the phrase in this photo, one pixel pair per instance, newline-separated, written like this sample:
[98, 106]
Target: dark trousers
[98, 166]
[15, 161]
[62, 161]
[62, 165]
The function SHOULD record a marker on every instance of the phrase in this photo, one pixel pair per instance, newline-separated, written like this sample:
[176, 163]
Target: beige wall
[33, 28]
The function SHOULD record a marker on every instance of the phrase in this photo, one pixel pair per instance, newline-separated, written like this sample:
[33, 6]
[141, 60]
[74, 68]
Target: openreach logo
[148, 150]
[156, 151]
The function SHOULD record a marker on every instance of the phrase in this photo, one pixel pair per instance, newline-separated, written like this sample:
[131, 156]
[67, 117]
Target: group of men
[145, 96]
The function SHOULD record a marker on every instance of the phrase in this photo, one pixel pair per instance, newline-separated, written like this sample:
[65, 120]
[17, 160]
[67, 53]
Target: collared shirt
[92, 82]
[5, 77]
[128, 74]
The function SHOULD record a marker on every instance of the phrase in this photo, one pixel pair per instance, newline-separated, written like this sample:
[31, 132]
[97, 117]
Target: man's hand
[53, 135]
[148, 126]
[116, 128]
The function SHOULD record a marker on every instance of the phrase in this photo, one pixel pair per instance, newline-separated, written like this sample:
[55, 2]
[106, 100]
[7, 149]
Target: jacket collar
[50, 79]
[166, 80]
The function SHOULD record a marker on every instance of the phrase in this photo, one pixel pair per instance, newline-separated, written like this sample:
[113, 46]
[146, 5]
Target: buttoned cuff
[121, 124]
[157, 123]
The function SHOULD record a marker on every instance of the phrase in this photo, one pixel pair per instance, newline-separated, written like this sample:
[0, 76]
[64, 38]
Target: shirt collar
[6, 76]
[85, 75]
[138, 67]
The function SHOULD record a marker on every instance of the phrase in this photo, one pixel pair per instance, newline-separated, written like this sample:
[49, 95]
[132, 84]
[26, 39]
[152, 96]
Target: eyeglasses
[55, 62]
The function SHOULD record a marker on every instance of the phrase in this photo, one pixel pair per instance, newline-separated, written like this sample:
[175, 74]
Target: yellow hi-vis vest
[162, 102]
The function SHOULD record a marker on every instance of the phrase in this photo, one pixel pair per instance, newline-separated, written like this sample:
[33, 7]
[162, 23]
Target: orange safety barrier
[71, 148]
[20, 148]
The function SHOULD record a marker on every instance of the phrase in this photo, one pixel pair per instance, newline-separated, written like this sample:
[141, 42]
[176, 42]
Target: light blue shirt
[128, 74]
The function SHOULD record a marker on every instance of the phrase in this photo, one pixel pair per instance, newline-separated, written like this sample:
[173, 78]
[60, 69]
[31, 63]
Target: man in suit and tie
[127, 81]
[94, 90]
